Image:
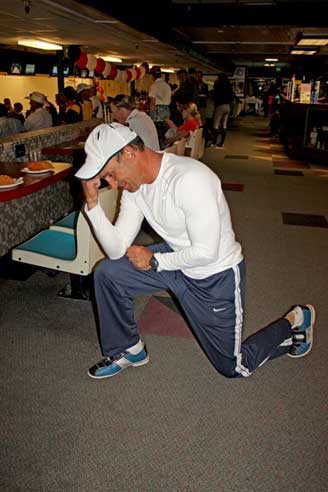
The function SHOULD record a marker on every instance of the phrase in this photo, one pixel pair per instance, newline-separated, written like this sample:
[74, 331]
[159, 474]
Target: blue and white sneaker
[110, 366]
[302, 333]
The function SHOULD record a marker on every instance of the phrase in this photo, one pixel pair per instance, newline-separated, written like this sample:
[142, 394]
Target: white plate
[18, 182]
[39, 171]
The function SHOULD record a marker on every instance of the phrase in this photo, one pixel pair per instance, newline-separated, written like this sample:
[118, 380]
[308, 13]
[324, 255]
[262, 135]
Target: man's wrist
[153, 263]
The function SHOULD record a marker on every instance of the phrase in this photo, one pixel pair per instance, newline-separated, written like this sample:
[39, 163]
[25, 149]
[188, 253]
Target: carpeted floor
[175, 425]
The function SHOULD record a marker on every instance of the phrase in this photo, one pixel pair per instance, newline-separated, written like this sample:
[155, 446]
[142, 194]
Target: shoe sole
[134, 364]
[312, 310]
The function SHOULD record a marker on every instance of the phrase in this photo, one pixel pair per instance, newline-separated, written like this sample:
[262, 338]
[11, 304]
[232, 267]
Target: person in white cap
[39, 117]
[199, 260]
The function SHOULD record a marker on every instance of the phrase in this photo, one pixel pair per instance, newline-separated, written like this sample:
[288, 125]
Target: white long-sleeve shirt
[185, 205]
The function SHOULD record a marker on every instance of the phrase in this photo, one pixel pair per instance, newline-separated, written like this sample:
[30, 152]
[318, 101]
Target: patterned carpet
[161, 317]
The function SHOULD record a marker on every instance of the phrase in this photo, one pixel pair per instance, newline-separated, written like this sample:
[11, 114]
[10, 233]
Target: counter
[32, 206]
[18, 147]
[304, 131]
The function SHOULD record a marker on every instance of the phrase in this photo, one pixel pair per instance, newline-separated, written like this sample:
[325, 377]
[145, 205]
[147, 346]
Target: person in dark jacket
[223, 96]
[187, 92]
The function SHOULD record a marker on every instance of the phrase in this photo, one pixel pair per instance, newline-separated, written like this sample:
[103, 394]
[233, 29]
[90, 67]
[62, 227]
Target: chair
[172, 149]
[194, 145]
[67, 222]
[66, 248]
[181, 145]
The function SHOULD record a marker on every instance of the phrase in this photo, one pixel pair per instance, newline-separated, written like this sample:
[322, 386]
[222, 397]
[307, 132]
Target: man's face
[118, 113]
[34, 105]
[122, 171]
[85, 95]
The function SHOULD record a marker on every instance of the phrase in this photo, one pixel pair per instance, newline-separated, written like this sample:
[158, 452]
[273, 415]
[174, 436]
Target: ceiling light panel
[38, 44]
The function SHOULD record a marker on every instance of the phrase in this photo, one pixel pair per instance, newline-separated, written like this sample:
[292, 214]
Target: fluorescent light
[312, 39]
[107, 22]
[112, 59]
[269, 65]
[271, 59]
[312, 42]
[168, 70]
[41, 45]
[296, 51]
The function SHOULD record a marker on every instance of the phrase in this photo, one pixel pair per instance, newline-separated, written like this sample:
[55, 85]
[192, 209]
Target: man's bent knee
[107, 268]
[226, 367]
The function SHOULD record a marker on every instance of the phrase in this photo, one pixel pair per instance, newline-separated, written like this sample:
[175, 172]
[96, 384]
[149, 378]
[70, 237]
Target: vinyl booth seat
[171, 150]
[66, 247]
[180, 146]
[195, 144]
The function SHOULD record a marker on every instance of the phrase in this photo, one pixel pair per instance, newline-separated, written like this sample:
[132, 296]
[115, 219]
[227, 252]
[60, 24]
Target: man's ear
[129, 152]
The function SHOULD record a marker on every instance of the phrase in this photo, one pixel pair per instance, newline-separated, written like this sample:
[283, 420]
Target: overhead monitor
[16, 68]
[30, 69]
[54, 71]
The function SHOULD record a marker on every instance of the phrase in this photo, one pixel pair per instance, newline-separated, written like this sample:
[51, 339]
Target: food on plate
[6, 180]
[39, 165]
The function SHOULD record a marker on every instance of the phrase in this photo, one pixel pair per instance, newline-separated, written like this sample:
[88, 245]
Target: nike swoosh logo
[217, 310]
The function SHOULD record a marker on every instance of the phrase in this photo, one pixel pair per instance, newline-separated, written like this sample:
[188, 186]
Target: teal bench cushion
[52, 243]
[69, 221]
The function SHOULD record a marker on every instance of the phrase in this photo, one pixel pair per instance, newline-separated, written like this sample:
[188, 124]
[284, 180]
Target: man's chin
[129, 188]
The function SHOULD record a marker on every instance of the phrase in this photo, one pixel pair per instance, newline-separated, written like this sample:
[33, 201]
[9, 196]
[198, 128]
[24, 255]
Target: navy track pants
[214, 307]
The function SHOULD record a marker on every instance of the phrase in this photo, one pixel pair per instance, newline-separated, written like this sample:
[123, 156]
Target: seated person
[191, 120]
[167, 135]
[17, 112]
[124, 111]
[38, 117]
[8, 126]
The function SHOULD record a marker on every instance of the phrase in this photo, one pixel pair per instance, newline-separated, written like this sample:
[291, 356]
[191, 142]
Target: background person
[83, 98]
[124, 111]
[160, 96]
[9, 126]
[223, 96]
[17, 112]
[202, 94]
[8, 105]
[191, 119]
[38, 117]
[97, 107]
[73, 109]
[199, 259]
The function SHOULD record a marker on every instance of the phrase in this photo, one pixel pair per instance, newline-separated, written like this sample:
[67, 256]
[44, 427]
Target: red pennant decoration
[138, 73]
[100, 66]
[82, 61]
[113, 72]
[129, 75]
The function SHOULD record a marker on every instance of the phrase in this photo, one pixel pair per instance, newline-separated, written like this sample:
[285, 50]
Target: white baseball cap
[102, 144]
[37, 97]
[82, 87]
